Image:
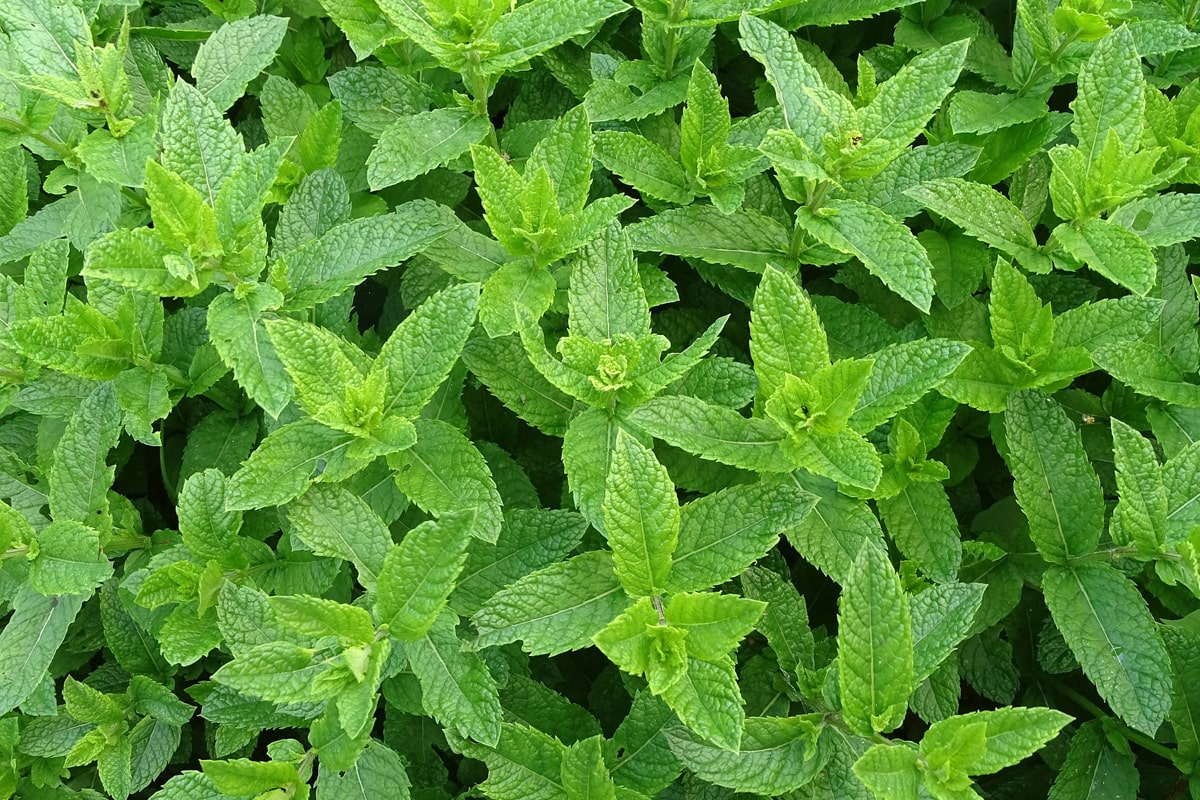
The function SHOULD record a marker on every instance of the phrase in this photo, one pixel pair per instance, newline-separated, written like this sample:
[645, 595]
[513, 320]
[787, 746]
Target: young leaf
[234, 55]
[284, 463]
[235, 325]
[332, 522]
[786, 336]
[414, 145]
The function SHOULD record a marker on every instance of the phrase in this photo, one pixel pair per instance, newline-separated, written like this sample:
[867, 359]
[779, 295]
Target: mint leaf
[641, 517]
[419, 573]
[875, 644]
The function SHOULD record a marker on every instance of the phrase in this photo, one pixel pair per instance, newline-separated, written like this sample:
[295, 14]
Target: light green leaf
[198, 142]
[378, 772]
[1161, 220]
[566, 155]
[444, 471]
[875, 644]
[645, 761]
[1105, 621]
[831, 536]
[903, 106]
[1012, 735]
[890, 771]
[531, 539]
[902, 374]
[606, 296]
[721, 534]
[317, 362]
[644, 165]
[284, 463]
[332, 522]
[641, 517]
[1055, 484]
[208, 530]
[234, 55]
[922, 524]
[30, 639]
[1141, 513]
[942, 616]
[786, 336]
[1094, 769]
[281, 672]
[586, 455]
[523, 764]
[745, 238]
[456, 687]
[985, 214]
[715, 623]
[707, 699]
[419, 574]
[777, 755]
[713, 432]
[785, 620]
[1111, 96]
[555, 609]
[884, 245]
[535, 27]
[236, 330]
[413, 145]
[67, 559]
[802, 94]
[343, 256]
[80, 476]
[1115, 252]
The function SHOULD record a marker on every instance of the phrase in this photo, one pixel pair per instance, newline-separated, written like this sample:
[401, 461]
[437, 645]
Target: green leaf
[586, 455]
[530, 540]
[707, 700]
[704, 126]
[503, 367]
[584, 774]
[332, 522]
[234, 55]
[284, 463]
[456, 687]
[715, 623]
[1141, 513]
[1161, 220]
[198, 143]
[890, 771]
[942, 616]
[786, 336]
[885, 246]
[1094, 769]
[721, 534]
[643, 758]
[68, 559]
[235, 326]
[420, 353]
[745, 238]
[379, 771]
[523, 764]
[875, 645]
[30, 638]
[1012, 735]
[641, 517]
[922, 524]
[445, 472]
[316, 617]
[80, 476]
[1111, 96]
[1104, 620]
[903, 106]
[902, 374]
[644, 165]
[1055, 484]
[606, 296]
[1116, 253]
[413, 145]
[984, 214]
[777, 755]
[208, 530]
[317, 362]
[555, 609]
[1149, 371]
[785, 620]
[419, 573]
[713, 433]
[803, 96]
[566, 155]
[535, 27]
[831, 537]
[348, 253]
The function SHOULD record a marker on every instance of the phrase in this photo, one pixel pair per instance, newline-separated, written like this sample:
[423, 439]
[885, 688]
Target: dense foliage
[599, 399]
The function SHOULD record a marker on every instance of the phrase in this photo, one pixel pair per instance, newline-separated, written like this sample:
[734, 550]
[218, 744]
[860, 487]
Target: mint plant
[599, 399]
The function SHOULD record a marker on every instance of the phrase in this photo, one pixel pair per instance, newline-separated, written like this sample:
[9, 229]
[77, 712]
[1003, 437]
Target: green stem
[1137, 737]
[18, 126]
[478, 85]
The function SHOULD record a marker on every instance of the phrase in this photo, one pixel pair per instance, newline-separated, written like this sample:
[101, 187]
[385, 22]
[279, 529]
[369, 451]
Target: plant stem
[478, 85]
[1137, 737]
